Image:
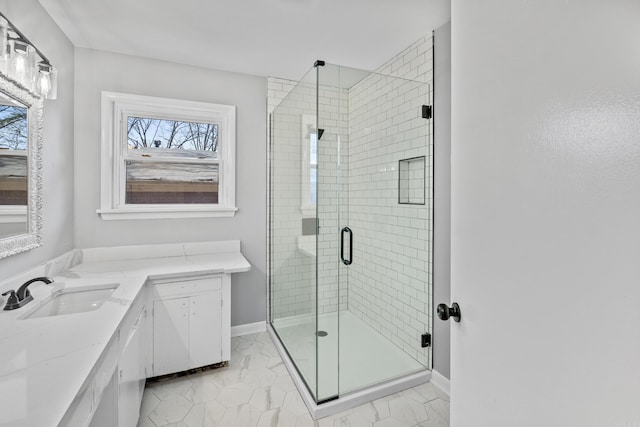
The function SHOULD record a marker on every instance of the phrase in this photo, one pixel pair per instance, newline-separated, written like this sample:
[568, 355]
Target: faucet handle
[11, 293]
[12, 301]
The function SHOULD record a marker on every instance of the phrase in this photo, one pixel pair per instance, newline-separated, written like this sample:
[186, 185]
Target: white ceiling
[280, 38]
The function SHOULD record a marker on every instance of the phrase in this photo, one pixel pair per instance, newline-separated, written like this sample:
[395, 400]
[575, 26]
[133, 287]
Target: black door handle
[445, 312]
[342, 258]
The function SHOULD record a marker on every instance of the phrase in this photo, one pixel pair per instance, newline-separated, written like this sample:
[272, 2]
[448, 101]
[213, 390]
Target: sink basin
[73, 300]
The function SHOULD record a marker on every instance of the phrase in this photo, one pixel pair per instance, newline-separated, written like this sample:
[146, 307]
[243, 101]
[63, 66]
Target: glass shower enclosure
[350, 228]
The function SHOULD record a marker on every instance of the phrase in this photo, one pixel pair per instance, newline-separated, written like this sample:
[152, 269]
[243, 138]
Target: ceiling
[280, 38]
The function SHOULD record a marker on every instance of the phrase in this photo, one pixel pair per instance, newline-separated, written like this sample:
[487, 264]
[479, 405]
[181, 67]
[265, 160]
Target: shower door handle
[342, 233]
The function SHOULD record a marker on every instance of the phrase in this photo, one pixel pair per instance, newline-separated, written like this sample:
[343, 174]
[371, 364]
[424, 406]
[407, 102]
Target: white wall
[442, 194]
[545, 243]
[57, 152]
[101, 71]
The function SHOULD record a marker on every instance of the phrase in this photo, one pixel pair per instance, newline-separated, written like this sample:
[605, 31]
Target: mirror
[13, 167]
[20, 168]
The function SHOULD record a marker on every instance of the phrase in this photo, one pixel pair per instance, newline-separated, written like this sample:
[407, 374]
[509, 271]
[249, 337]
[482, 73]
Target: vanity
[160, 309]
[79, 352]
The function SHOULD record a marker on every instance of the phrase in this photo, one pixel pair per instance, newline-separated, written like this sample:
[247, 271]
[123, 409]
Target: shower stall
[350, 178]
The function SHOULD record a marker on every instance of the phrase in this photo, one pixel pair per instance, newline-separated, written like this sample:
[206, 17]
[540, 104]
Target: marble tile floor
[256, 390]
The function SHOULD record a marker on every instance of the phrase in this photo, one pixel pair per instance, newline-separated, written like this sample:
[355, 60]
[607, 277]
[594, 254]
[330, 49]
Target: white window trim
[13, 214]
[117, 105]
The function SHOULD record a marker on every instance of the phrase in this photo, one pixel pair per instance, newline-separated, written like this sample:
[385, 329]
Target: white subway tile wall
[292, 271]
[369, 128]
[333, 161]
[293, 291]
[390, 280]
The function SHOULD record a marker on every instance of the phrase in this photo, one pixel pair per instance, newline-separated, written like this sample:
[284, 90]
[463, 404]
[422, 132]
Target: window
[166, 158]
[309, 168]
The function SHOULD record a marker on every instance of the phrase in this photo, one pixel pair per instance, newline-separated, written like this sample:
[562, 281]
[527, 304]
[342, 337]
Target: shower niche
[411, 181]
[350, 235]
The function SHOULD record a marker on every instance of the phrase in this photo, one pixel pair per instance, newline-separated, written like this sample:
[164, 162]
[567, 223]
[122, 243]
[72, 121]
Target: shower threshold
[362, 379]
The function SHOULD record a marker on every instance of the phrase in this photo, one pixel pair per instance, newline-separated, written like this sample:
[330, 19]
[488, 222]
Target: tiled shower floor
[256, 390]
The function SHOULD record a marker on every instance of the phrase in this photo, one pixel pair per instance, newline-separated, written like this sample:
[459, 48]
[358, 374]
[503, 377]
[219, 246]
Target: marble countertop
[47, 361]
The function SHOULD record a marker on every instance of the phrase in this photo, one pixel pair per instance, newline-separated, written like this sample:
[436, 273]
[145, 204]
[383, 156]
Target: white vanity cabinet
[96, 405]
[93, 364]
[118, 380]
[189, 326]
[191, 322]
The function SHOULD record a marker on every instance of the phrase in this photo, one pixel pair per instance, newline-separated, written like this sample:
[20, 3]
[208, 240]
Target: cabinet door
[205, 326]
[130, 370]
[143, 355]
[170, 336]
[79, 413]
[106, 415]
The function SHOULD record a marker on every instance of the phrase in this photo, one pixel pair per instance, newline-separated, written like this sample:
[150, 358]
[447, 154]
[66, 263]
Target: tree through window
[13, 127]
[156, 172]
[145, 132]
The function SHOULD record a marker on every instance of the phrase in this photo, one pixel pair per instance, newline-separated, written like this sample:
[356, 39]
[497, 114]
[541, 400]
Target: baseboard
[286, 322]
[442, 382]
[248, 328]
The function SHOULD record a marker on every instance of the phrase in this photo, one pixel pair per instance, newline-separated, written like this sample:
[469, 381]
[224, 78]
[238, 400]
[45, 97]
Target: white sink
[73, 300]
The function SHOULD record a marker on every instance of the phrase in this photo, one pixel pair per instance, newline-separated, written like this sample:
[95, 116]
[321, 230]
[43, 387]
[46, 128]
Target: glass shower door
[330, 130]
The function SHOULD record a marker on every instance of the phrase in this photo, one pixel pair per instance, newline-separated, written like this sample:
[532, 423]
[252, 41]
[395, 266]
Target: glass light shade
[22, 63]
[4, 28]
[47, 81]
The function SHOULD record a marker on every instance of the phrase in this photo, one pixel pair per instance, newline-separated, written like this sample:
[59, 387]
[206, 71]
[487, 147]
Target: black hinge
[426, 111]
[320, 133]
[426, 340]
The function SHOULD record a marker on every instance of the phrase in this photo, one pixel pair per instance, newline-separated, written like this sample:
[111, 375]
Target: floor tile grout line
[260, 366]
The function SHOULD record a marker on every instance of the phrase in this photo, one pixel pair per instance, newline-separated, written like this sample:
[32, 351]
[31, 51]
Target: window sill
[13, 214]
[166, 213]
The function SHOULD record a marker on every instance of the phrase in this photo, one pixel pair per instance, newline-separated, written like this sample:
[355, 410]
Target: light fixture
[22, 62]
[47, 81]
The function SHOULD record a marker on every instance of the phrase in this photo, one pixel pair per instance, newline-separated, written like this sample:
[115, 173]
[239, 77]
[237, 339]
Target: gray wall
[442, 195]
[101, 71]
[37, 25]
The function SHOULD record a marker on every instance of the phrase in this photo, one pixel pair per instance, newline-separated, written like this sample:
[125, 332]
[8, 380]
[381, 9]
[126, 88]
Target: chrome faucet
[23, 296]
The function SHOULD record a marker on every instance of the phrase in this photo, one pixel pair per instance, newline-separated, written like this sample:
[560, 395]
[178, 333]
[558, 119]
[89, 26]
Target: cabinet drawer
[188, 287]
